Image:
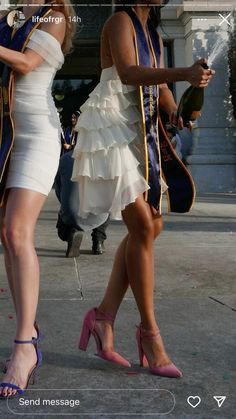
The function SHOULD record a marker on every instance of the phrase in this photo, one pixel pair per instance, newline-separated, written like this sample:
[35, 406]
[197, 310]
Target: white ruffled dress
[109, 155]
[37, 143]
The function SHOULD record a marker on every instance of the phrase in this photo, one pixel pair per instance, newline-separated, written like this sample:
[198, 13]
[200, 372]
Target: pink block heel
[84, 337]
[169, 370]
[142, 357]
[89, 325]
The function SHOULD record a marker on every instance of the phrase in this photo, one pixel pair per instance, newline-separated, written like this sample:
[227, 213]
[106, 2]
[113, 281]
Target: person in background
[69, 135]
[175, 139]
[70, 226]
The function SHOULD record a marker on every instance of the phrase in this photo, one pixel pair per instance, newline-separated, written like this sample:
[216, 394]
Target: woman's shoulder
[56, 26]
[59, 16]
[117, 21]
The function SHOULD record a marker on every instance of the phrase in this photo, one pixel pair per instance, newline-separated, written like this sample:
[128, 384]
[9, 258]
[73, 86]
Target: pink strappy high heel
[169, 370]
[89, 327]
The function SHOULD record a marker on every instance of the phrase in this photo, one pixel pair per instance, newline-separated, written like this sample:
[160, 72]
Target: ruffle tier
[104, 138]
[105, 167]
[110, 195]
[97, 119]
[110, 117]
[105, 164]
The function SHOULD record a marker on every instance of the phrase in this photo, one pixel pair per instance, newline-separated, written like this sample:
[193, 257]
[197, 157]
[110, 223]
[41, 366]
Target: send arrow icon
[219, 400]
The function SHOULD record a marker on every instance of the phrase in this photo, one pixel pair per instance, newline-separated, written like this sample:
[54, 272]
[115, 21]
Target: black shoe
[62, 229]
[98, 247]
[74, 243]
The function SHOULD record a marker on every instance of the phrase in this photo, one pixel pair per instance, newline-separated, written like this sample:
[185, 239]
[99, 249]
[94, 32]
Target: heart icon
[194, 401]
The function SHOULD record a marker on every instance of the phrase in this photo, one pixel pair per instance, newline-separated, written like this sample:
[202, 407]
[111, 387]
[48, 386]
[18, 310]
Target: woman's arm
[25, 62]
[119, 31]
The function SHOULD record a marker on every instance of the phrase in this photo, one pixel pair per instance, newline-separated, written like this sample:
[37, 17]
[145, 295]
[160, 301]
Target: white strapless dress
[109, 155]
[37, 144]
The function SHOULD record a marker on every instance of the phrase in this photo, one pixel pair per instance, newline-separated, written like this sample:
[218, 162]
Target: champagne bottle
[191, 103]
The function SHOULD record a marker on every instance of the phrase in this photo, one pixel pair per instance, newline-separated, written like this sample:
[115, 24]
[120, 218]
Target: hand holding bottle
[192, 100]
[177, 122]
[199, 75]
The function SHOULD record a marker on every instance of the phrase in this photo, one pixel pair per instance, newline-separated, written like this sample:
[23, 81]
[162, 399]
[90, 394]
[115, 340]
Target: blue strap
[23, 341]
[13, 386]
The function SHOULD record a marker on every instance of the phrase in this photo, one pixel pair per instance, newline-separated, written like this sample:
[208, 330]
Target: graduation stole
[160, 157]
[15, 40]
[69, 137]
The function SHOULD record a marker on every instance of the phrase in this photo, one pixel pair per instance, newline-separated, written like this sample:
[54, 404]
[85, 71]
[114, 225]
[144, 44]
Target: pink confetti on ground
[10, 317]
[132, 373]
[2, 290]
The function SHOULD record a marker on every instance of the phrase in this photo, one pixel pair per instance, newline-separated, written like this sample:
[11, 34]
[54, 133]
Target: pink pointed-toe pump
[89, 327]
[169, 370]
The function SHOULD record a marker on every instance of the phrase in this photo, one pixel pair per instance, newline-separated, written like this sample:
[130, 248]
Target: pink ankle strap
[148, 334]
[100, 315]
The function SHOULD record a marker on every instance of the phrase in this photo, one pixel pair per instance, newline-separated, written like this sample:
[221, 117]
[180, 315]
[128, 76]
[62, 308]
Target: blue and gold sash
[161, 159]
[16, 40]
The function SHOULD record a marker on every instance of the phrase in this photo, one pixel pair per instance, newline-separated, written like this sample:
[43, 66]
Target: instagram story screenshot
[118, 209]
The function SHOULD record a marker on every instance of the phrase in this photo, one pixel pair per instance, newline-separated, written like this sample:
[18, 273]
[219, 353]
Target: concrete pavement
[195, 301]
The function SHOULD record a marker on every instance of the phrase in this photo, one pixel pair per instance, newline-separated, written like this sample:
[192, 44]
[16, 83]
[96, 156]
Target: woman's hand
[197, 76]
[178, 121]
[67, 146]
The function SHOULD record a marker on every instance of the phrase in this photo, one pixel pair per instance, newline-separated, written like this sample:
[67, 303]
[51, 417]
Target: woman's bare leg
[139, 258]
[114, 295]
[7, 259]
[7, 262]
[134, 266]
[119, 280]
[118, 283]
[143, 227]
[19, 235]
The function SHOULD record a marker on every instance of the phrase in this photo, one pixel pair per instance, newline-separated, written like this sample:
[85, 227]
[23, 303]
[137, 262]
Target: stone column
[3, 4]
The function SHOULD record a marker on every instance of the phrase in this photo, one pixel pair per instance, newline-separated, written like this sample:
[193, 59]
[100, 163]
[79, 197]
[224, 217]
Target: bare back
[118, 44]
